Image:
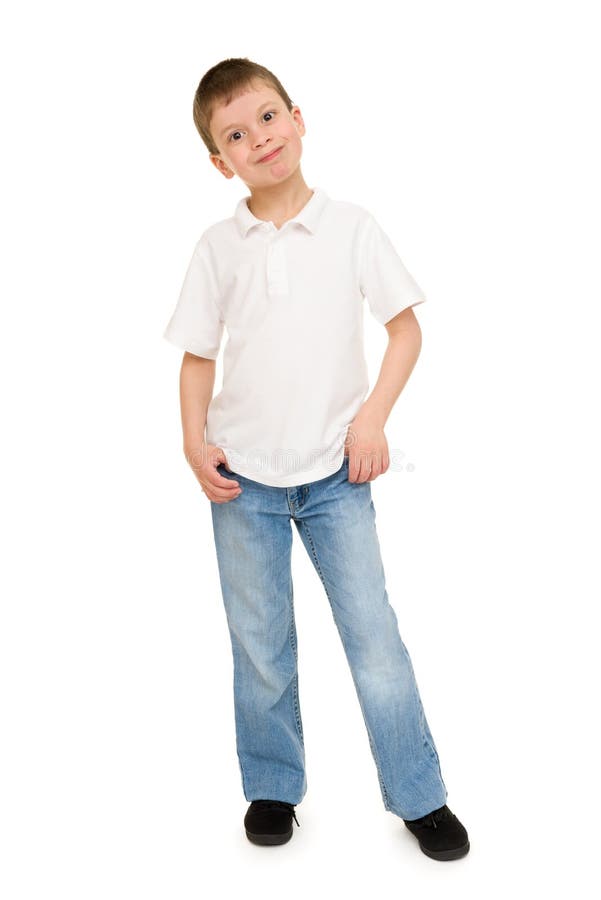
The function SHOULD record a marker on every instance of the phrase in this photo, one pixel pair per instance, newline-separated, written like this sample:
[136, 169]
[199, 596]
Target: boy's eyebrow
[269, 103]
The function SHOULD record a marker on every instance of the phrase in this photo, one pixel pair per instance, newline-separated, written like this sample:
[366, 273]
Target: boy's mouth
[271, 155]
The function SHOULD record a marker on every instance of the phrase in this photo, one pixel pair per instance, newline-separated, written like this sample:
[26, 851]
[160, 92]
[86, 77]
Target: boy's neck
[280, 202]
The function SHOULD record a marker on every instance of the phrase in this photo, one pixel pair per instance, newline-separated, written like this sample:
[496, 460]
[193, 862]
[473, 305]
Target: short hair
[222, 83]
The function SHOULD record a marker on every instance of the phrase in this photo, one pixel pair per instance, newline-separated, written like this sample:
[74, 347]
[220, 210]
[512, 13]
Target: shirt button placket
[277, 278]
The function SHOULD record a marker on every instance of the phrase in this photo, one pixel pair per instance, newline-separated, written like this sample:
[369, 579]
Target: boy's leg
[336, 522]
[253, 540]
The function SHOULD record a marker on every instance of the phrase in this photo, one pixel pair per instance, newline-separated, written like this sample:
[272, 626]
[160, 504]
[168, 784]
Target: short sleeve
[384, 281]
[196, 324]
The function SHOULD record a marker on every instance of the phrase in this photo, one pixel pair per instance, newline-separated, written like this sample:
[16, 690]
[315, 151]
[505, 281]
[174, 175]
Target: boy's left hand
[367, 449]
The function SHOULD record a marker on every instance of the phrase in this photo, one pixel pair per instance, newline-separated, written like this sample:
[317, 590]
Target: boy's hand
[204, 459]
[367, 449]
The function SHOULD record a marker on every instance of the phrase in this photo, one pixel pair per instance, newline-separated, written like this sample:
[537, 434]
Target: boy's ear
[221, 165]
[298, 118]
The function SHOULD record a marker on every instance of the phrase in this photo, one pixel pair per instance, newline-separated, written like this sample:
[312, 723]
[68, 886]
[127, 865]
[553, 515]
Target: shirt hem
[294, 479]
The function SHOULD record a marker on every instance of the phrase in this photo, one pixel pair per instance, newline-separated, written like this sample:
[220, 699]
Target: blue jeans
[336, 522]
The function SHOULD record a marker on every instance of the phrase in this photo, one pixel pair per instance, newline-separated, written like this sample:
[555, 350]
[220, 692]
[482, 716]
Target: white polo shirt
[291, 301]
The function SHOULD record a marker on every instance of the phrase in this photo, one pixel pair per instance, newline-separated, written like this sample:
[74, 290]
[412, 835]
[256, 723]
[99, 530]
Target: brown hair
[221, 84]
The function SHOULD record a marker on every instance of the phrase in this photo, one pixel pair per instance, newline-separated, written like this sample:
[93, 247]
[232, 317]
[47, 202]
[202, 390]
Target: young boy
[291, 437]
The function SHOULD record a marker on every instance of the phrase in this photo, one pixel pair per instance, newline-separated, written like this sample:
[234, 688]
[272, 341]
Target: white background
[471, 131]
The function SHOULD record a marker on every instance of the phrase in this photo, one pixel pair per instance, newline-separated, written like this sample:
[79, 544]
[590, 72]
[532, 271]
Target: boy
[289, 438]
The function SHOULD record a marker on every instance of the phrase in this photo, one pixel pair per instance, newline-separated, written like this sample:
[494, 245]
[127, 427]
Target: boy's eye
[272, 112]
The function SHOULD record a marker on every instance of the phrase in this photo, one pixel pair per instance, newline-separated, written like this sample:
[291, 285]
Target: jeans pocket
[227, 474]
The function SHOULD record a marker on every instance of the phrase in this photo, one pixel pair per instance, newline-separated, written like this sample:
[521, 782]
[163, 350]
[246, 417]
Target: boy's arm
[368, 448]
[404, 345]
[196, 382]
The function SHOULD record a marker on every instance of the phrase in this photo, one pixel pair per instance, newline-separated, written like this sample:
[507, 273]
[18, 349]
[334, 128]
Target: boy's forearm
[399, 360]
[197, 379]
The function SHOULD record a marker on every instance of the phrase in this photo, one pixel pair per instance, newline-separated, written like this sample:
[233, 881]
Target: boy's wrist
[372, 414]
[194, 446]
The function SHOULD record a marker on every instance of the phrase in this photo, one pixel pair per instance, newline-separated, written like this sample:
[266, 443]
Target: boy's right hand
[203, 461]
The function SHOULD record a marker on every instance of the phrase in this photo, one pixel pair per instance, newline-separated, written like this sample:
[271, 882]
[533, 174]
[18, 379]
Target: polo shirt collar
[308, 216]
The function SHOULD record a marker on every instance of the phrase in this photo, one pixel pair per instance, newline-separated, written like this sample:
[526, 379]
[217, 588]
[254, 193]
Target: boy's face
[252, 125]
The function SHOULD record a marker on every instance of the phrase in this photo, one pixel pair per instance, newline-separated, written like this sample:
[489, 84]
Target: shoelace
[437, 816]
[431, 819]
[266, 804]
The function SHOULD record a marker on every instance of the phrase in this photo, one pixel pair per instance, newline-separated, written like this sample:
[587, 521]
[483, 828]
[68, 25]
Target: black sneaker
[269, 821]
[440, 834]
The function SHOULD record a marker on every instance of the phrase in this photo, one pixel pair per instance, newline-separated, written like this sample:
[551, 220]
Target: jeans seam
[296, 705]
[244, 782]
[371, 742]
[427, 743]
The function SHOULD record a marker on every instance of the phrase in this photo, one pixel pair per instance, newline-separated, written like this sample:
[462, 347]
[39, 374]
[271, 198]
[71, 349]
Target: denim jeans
[336, 522]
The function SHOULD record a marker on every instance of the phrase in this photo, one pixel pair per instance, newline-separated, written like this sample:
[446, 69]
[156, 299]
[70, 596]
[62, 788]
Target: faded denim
[335, 519]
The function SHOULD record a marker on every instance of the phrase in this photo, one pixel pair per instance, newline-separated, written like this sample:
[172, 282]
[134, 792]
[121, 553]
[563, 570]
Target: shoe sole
[456, 853]
[269, 839]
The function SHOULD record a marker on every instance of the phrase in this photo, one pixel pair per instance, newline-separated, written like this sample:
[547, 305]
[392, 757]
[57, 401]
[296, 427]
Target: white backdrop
[471, 131]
